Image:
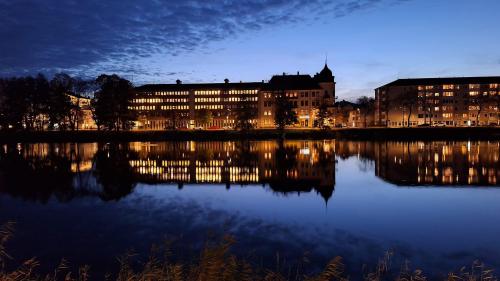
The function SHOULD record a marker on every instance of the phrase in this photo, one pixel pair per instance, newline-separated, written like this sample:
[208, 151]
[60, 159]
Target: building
[214, 105]
[465, 101]
[84, 119]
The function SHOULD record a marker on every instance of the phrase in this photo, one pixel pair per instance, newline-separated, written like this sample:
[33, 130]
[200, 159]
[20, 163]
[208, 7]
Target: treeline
[36, 103]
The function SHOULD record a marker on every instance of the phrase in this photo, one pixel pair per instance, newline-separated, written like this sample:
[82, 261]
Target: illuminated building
[85, 120]
[164, 106]
[466, 101]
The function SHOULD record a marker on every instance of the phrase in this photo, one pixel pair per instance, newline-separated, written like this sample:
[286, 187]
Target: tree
[284, 113]
[203, 116]
[322, 116]
[59, 105]
[111, 103]
[14, 105]
[35, 93]
[3, 97]
[245, 114]
[367, 106]
[173, 116]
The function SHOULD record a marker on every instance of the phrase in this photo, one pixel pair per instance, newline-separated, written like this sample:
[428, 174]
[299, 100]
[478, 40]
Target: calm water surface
[435, 204]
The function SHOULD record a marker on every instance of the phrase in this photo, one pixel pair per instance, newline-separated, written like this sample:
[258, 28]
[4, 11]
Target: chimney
[226, 80]
[298, 73]
[178, 82]
[283, 73]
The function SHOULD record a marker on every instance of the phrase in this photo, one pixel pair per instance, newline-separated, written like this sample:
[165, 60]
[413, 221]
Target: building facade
[214, 105]
[84, 118]
[458, 102]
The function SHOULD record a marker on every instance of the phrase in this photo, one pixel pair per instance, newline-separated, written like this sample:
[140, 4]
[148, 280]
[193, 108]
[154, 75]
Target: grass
[216, 263]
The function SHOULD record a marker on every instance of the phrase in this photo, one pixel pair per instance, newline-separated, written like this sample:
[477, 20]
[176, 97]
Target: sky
[367, 43]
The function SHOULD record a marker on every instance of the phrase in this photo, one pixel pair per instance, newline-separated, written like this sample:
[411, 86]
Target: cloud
[114, 36]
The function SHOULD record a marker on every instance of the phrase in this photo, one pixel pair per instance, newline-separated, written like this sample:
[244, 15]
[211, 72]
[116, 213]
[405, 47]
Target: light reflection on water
[435, 203]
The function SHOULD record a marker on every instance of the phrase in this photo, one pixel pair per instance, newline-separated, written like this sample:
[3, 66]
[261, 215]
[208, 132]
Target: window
[448, 94]
[473, 93]
[493, 86]
[448, 87]
[473, 86]
[447, 115]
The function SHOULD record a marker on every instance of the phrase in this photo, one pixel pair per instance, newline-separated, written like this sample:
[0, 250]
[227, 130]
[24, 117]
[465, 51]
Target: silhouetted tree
[173, 117]
[111, 103]
[203, 116]
[24, 102]
[59, 104]
[285, 160]
[284, 114]
[37, 99]
[113, 171]
[367, 107]
[3, 98]
[49, 172]
[322, 116]
[245, 114]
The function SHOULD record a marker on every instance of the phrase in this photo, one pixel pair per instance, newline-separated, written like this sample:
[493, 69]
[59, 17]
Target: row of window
[450, 115]
[448, 108]
[452, 87]
[451, 94]
[174, 107]
[243, 92]
[209, 106]
[147, 100]
[171, 93]
[197, 100]
[207, 92]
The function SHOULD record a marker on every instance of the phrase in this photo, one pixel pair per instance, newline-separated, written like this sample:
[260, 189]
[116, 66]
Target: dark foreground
[462, 133]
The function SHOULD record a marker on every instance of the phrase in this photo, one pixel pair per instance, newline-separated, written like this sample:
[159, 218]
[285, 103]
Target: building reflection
[111, 171]
[470, 163]
[287, 166]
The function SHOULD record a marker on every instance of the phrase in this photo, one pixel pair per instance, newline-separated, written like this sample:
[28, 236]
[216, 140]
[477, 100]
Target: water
[435, 204]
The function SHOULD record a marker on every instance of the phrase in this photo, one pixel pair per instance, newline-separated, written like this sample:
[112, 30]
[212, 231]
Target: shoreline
[375, 133]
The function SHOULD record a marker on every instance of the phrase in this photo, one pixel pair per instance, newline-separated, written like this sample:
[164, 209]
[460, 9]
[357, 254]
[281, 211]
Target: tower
[326, 81]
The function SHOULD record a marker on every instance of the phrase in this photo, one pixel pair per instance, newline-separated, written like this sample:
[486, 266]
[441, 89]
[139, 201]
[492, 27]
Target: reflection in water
[111, 171]
[105, 199]
[295, 166]
[438, 163]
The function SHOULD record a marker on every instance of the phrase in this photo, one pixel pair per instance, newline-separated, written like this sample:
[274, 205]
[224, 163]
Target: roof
[199, 86]
[292, 82]
[444, 80]
[326, 75]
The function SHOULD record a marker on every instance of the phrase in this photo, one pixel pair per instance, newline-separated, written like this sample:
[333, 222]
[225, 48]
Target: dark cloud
[112, 36]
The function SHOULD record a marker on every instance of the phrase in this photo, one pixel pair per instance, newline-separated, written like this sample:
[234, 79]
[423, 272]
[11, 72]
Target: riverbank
[466, 133]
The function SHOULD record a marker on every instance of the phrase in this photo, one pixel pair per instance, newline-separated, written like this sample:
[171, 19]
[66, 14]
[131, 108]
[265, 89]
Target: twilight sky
[368, 42]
